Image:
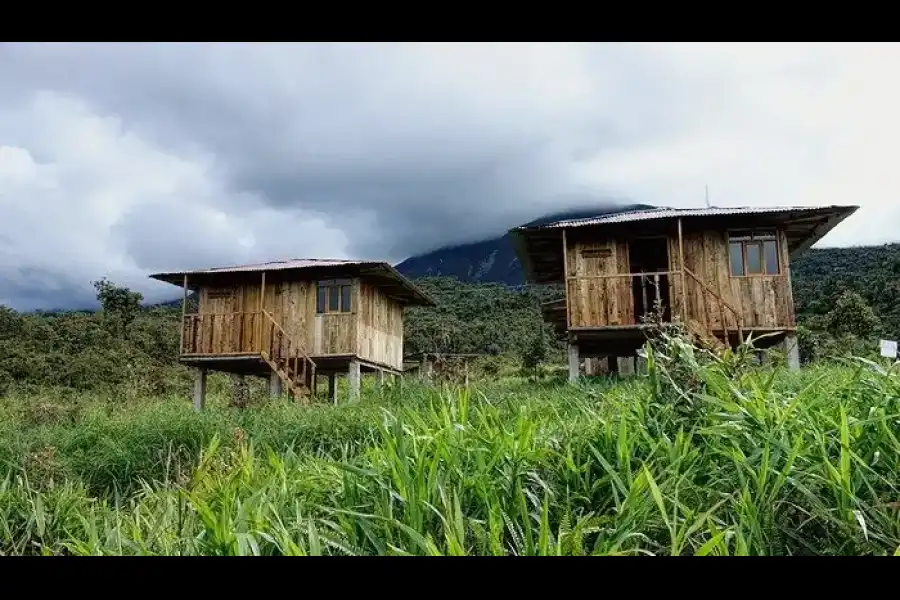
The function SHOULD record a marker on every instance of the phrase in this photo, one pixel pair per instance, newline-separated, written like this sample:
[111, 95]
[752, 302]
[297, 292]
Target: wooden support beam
[199, 389]
[353, 379]
[183, 314]
[684, 316]
[380, 375]
[566, 276]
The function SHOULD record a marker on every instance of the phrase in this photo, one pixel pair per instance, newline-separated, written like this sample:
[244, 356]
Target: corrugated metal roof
[293, 263]
[668, 213]
[373, 267]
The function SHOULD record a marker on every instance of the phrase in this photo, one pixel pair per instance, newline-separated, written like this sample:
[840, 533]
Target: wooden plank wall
[292, 304]
[764, 301]
[380, 328]
[595, 301]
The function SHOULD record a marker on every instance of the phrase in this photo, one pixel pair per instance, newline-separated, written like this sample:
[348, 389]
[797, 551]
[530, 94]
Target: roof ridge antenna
[707, 196]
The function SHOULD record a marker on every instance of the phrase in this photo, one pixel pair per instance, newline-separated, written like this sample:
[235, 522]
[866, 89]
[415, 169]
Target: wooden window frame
[596, 252]
[220, 293]
[758, 239]
[331, 291]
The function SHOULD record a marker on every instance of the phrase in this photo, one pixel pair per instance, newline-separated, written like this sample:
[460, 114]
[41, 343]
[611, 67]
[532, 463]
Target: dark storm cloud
[128, 158]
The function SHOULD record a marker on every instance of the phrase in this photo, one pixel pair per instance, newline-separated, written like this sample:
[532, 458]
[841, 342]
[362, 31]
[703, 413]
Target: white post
[626, 365]
[199, 389]
[353, 376]
[792, 352]
[574, 363]
[275, 385]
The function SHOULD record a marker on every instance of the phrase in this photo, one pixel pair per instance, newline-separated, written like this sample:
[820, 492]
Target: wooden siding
[764, 301]
[595, 297]
[231, 325]
[380, 328]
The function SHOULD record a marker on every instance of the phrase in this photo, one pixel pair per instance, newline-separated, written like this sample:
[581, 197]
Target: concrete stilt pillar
[199, 389]
[276, 386]
[626, 365]
[332, 388]
[574, 363]
[792, 352]
[380, 375]
[353, 377]
[640, 365]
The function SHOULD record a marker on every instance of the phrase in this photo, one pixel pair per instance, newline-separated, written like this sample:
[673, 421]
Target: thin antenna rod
[707, 196]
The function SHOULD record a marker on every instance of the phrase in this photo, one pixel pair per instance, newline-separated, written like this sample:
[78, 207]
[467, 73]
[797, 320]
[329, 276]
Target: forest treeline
[846, 300]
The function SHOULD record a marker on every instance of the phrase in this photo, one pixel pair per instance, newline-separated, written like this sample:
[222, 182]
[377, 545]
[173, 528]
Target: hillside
[819, 276]
[492, 260]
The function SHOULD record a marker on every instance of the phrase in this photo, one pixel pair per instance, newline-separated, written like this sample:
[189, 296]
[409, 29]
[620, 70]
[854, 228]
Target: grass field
[706, 458]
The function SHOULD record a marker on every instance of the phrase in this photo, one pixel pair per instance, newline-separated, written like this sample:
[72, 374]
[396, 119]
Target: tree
[118, 303]
[852, 315]
[535, 352]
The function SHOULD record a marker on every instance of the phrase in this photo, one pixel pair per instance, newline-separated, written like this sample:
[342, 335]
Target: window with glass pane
[770, 250]
[334, 296]
[753, 254]
[736, 250]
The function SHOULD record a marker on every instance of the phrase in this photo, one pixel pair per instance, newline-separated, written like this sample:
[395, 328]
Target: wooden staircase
[702, 333]
[288, 359]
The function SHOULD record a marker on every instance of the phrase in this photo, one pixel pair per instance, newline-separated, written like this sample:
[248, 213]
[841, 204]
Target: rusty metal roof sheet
[669, 213]
[292, 263]
[383, 270]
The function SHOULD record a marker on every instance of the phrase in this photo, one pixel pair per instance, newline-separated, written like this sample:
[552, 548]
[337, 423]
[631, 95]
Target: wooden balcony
[616, 305]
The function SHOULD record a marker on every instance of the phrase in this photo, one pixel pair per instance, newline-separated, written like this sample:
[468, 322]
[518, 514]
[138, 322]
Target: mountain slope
[493, 260]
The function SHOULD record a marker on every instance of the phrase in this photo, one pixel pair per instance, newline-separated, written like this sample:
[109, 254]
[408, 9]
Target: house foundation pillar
[199, 389]
[574, 363]
[353, 377]
[792, 352]
[276, 386]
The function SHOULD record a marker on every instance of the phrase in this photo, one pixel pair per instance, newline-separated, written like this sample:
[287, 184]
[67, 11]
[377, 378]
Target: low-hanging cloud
[120, 160]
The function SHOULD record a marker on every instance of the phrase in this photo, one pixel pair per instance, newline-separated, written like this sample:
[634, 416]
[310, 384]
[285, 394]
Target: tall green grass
[698, 457]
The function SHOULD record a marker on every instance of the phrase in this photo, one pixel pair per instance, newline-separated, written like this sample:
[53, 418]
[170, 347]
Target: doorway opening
[650, 256]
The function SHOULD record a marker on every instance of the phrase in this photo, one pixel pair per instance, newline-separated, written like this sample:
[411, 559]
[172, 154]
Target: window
[333, 296]
[225, 293]
[753, 254]
[596, 252]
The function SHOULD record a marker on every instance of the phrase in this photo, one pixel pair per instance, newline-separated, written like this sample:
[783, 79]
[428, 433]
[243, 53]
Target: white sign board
[888, 349]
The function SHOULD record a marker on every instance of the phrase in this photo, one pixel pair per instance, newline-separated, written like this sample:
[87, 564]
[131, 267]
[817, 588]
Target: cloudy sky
[121, 160]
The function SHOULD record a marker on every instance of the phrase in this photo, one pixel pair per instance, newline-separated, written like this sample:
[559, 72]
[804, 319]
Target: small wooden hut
[293, 320]
[721, 272]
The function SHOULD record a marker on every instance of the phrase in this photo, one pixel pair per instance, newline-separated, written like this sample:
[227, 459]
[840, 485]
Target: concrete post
[199, 389]
[332, 388]
[275, 385]
[353, 376]
[380, 375]
[792, 352]
[574, 363]
[626, 365]
[640, 365]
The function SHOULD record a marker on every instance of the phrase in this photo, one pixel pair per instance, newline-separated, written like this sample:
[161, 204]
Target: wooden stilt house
[722, 272]
[296, 319]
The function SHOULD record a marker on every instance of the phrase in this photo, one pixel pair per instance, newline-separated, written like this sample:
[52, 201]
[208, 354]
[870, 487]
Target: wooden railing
[720, 304]
[651, 295]
[259, 333]
[286, 355]
[222, 333]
